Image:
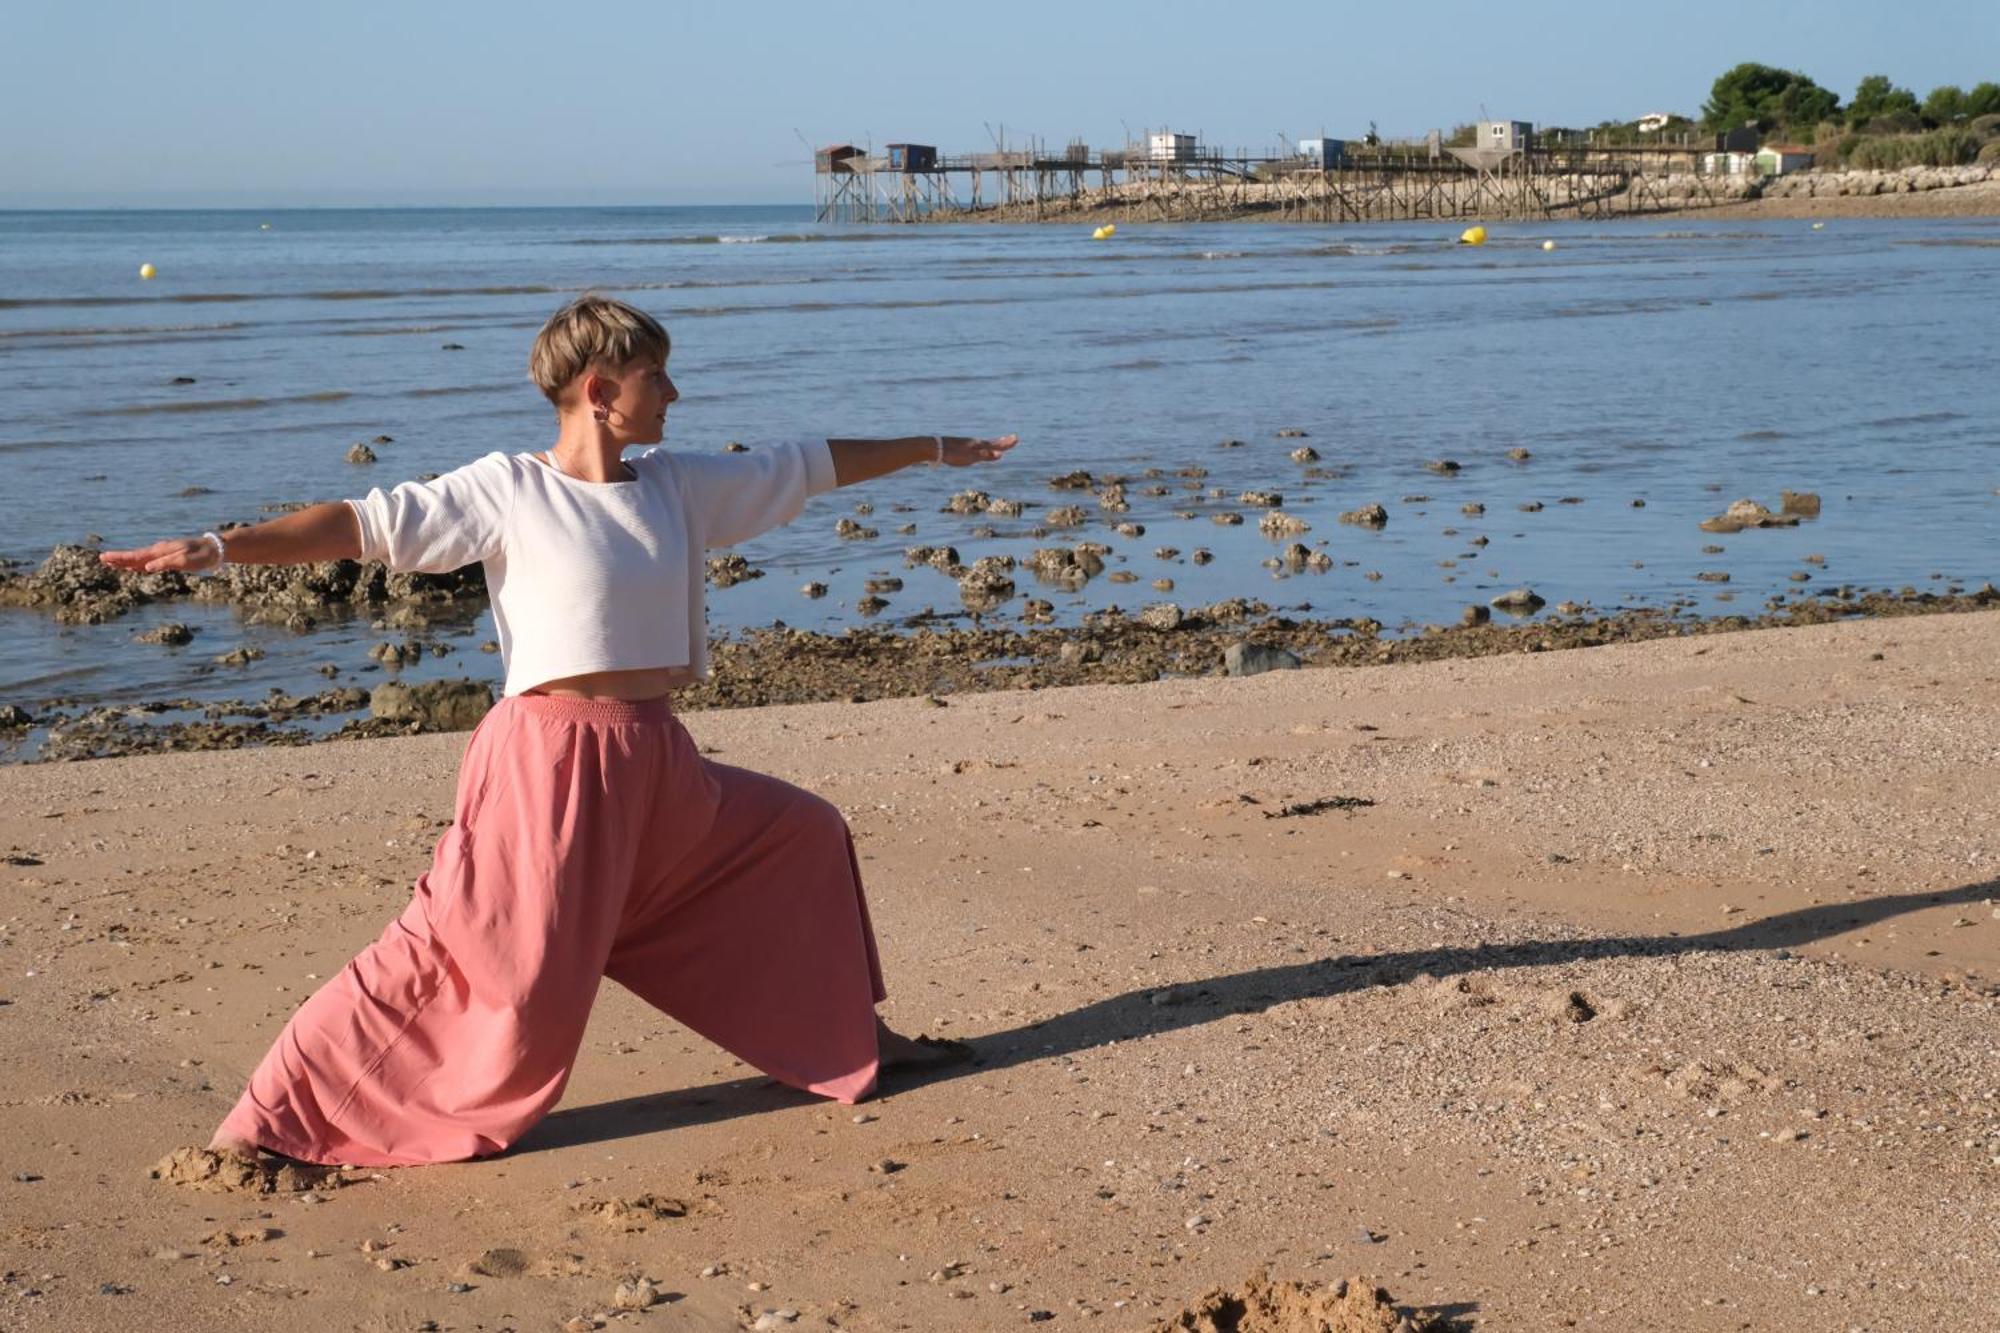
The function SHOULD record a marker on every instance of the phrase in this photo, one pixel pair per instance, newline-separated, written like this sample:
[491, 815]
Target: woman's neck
[588, 452]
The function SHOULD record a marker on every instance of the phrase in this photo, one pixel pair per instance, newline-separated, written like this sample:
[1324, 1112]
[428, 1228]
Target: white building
[1323, 152]
[1509, 136]
[1653, 122]
[1775, 159]
[1170, 147]
[1728, 164]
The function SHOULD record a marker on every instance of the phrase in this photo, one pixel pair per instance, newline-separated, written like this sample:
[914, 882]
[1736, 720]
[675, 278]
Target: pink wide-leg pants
[590, 840]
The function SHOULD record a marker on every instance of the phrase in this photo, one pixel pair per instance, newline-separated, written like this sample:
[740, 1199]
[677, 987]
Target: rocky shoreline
[77, 588]
[777, 665]
[1013, 641]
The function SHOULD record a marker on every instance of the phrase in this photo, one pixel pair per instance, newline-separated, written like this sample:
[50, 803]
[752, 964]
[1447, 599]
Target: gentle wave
[217, 404]
[772, 238]
[1917, 419]
[121, 331]
[373, 294]
[335, 294]
[448, 390]
[397, 330]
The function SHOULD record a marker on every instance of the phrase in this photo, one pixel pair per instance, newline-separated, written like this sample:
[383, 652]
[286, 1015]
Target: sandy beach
[1650, 986]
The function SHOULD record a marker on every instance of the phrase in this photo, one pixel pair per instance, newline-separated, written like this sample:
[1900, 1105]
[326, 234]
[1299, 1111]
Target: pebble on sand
[635, 1295]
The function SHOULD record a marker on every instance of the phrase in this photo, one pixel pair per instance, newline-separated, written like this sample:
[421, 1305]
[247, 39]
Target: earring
[603, 414]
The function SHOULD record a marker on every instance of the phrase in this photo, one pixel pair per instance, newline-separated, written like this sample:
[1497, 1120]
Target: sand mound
[1263, 1306]
[233, 1173]
[636, 1214]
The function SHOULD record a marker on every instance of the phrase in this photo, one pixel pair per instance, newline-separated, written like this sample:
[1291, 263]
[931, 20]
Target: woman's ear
[598, 393]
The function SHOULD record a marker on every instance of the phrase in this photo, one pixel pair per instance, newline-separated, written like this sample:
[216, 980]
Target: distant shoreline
[1976, 200]
[1963, 201]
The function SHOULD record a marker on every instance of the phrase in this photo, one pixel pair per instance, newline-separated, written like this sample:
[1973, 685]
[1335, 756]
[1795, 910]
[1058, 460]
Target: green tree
[1945, 105]
[1806, 104]
[1983, 100]
[1764, 96]
[1876, 97]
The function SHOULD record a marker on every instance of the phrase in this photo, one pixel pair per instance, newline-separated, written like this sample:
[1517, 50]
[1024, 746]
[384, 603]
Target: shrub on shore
[1939, 148]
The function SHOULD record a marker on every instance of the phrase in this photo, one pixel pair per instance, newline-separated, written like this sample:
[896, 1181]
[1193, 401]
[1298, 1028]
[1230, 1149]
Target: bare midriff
[641, 683]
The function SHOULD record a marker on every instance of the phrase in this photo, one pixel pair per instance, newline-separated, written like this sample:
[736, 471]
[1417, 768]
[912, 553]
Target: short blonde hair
[591, 331]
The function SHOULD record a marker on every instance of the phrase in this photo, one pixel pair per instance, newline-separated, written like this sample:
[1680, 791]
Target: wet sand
[1634, 987]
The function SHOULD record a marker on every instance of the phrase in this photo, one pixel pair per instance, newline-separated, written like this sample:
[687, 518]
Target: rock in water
[1368, 516]
[1519, 601]
[439, 705]
[1748, 514]
[1252, 659]
[173, 634]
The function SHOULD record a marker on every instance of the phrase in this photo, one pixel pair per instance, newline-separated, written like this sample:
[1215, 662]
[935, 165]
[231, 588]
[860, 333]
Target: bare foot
[231, 1143]
[899, 1052]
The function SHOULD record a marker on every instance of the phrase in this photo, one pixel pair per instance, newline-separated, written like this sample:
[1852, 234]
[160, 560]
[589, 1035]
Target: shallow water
[1684, 364]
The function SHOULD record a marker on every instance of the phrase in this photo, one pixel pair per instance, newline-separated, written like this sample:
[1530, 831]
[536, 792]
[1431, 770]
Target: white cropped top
[592, 576]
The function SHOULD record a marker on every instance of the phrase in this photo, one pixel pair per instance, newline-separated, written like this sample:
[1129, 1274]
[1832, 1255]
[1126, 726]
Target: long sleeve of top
[433, 527]
[737, 496]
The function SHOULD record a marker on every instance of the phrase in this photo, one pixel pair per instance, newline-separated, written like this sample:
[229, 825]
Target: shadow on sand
[1133, 1014]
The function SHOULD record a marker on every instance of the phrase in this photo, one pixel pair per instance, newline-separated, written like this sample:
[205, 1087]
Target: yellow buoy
[1472, 236]
[1819, 226]
[146, 270]
[1104, 233]
[1548, 245]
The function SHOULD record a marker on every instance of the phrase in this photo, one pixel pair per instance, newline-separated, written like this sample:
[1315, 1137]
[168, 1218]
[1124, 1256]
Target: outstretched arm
[317, 532]
[860, 460]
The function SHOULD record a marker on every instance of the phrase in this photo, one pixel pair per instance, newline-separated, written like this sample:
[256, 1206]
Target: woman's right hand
[189, 554]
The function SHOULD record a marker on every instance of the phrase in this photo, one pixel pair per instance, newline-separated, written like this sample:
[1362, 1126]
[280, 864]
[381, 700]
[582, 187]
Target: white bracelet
[939, 440]
[221, 553]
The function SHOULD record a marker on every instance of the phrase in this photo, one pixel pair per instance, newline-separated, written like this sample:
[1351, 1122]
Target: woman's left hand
[965, 450]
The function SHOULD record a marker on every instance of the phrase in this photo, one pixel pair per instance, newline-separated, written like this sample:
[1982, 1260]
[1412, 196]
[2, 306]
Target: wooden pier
[914, 183]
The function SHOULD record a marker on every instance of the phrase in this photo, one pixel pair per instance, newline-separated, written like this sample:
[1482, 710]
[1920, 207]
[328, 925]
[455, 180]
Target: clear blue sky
[220, 102]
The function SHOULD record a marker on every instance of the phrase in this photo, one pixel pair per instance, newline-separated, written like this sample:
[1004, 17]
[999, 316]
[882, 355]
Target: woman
[589, 837]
